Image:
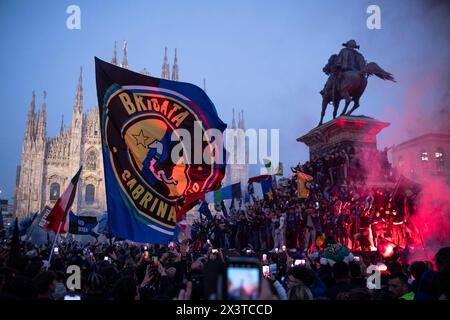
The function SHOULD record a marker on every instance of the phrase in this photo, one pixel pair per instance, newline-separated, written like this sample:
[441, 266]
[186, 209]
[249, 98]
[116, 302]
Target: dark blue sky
[262, 56]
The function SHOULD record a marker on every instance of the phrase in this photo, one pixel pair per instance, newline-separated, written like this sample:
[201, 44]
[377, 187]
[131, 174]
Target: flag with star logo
[155, 169]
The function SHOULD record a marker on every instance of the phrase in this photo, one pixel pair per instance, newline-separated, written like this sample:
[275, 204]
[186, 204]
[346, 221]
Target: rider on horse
[348, 73]
[347, 59]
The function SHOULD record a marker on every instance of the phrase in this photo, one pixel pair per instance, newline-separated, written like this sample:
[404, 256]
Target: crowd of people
[318, 247]
[127, 271]
[340, 203]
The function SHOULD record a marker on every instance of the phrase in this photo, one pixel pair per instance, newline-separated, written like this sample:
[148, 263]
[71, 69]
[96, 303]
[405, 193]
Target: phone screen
[299, 262]
[72, 297]
[243, 277]
[266, 271]
[146, 256]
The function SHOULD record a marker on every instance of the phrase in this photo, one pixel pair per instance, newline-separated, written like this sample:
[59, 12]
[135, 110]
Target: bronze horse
[351, 86]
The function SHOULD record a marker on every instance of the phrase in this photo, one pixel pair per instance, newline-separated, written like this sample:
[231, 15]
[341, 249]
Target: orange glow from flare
[388, 250]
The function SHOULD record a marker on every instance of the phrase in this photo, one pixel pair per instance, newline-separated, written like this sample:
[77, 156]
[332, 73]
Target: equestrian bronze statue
[348, 73]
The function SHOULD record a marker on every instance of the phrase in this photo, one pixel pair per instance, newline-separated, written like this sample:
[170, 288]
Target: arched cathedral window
[91, 160]
[54, 191]
[89, 196]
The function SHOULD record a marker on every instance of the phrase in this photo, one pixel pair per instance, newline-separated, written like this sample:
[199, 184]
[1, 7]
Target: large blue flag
[162, 151]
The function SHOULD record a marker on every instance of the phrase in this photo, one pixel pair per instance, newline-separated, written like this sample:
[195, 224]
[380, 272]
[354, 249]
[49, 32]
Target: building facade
[48, 164]
[423, 157]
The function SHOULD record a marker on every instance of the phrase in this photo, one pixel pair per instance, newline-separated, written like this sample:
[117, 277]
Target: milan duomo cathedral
[48, 164]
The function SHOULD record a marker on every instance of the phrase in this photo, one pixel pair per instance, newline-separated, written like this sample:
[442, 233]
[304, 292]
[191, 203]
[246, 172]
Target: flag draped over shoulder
[162, 151]
[302, 188]
[62, 206]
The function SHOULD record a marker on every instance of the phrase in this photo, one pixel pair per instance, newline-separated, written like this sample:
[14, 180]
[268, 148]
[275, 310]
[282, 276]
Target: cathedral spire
[175, 70]
[114, 58]
[44, 104]
[42, 122]
[32, 105]
[165, 74]
[62, 124]
[239, 124]
[31, 119]
[124, 59]
[242, 120]
[233, 122]
[204, 84]
[78, 106]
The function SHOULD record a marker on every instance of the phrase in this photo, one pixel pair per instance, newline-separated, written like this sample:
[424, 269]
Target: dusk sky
[264, 57]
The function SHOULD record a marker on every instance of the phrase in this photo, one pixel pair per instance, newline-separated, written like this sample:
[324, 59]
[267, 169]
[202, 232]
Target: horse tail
[374, 69]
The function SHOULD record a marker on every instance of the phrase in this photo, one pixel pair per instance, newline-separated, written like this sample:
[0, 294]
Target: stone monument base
[359, 132]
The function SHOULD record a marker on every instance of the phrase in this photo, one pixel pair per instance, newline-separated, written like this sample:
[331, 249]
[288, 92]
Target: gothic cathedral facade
[48, 164]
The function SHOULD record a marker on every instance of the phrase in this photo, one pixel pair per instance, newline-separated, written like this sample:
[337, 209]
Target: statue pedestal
[358, 132]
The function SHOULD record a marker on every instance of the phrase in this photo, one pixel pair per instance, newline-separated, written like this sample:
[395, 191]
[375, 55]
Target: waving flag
[267, 188]
[272, 171]
[82, 224]
[204, 210]
[266, 182]
[302, 184]
[258, 179]
[232, 191]
[57, 218]
[25, 224]
[162, 151]
[103, 224]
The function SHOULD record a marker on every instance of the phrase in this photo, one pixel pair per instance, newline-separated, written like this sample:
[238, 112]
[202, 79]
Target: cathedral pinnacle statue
[347, 78]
